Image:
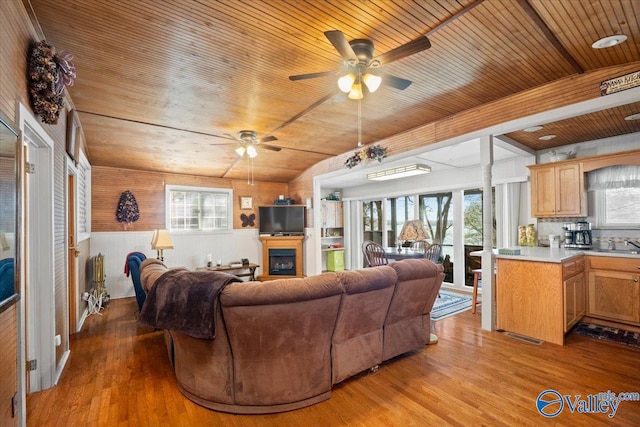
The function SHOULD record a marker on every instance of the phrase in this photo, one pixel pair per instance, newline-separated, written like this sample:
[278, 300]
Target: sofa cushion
[280, 337]
[418, 284]
[357, 339]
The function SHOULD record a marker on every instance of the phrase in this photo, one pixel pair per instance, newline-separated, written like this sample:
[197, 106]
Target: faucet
[629, 242]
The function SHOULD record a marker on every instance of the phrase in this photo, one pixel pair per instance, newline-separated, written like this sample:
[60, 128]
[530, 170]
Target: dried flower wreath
[372, 152]
[49, 73]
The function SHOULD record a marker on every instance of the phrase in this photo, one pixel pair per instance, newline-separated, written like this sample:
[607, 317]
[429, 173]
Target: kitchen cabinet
[558, 190]
[614, 289]
[537, 299]
[331, 213]
[575, 304]
[332, 235]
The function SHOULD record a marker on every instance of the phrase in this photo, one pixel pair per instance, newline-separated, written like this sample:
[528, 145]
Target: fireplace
[281, 257]
[282, 262]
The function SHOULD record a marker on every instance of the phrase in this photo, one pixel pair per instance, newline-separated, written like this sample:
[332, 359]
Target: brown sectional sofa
[282, 345]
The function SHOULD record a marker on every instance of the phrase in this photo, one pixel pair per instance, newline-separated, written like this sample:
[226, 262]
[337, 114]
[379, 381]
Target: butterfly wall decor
[248, 220]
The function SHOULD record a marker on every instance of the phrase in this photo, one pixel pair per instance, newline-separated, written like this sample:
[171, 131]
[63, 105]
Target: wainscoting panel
[189, 250]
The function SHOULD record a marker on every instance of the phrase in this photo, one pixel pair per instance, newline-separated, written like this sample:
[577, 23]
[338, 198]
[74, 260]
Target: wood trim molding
[596, 162]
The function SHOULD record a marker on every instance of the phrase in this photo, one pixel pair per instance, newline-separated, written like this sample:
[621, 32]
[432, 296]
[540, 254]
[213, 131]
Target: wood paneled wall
[15, 36]
[8, 364]
[149, 190]
[558, 94]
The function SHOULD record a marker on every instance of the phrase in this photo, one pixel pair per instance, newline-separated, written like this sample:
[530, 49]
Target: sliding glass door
[436, 212]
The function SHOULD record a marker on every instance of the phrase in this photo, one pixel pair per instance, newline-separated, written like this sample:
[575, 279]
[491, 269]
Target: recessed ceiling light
[546, 137]
[635, 116]
[532, 129]
[609, 41]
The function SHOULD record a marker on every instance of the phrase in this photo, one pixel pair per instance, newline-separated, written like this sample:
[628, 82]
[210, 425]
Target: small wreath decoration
[49, 73]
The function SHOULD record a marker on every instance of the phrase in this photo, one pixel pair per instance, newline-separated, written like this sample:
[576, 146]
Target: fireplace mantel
[281, 242]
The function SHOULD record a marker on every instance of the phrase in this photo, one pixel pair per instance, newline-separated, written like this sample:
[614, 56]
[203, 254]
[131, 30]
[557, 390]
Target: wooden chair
[477, 276]
[433, 252]
[374, 254]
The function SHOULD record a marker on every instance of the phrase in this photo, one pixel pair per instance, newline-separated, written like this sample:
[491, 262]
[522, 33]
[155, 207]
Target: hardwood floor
[119, 374]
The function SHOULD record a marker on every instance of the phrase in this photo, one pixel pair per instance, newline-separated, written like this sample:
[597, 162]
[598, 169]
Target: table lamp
[412, 230]
[161, 241]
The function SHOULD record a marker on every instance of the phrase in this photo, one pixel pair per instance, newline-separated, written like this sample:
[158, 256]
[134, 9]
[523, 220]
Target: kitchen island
[542, 293]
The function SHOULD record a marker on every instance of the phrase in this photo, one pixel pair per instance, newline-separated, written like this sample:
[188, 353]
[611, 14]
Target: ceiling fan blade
[312, 75]
[414, 46]
[270, 147]
[235, 138]
[395, 82]
[268, 138]
[340, 42]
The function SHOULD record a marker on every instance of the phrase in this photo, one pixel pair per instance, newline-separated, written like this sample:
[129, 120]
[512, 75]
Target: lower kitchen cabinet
[614, 289]
[575, 304]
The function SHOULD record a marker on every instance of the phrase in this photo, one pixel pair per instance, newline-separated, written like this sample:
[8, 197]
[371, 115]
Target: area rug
[448, 304]
[604, 333]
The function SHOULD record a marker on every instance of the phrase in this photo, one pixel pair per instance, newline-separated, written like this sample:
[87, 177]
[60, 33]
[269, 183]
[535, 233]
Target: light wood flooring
[119, 374]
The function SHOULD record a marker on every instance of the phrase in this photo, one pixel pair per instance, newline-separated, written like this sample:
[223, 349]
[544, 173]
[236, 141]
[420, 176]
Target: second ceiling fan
[248, 140]
[362, 67]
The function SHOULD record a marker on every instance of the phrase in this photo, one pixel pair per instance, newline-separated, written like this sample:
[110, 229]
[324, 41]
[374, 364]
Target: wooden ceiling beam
[454, 17]
[531, 12]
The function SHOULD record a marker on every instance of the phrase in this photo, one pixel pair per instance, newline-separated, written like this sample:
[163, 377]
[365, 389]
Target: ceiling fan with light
[248, 141]
[362, 67]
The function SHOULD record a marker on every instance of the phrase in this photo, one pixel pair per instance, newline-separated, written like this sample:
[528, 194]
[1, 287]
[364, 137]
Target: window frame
[601, 213]
[227, 192]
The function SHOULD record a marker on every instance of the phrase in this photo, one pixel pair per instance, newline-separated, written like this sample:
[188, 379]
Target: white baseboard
[82, 319]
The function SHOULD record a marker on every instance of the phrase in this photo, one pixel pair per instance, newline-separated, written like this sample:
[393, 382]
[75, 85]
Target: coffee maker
[577, 235]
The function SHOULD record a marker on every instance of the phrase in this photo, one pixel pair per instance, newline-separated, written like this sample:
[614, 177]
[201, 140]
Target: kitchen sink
[619, 251]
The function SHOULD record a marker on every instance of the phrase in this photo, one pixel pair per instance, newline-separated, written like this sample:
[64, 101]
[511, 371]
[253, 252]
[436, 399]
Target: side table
[251, 267]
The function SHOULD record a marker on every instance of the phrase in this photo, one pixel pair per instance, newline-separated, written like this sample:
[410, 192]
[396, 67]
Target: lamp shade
[413, 230]
[161, 240]
[4, 245]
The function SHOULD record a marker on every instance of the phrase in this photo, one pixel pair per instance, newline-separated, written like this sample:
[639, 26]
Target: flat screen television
[281, 220]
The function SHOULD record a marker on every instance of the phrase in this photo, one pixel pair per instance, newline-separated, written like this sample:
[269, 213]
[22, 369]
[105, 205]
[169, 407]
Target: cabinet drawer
[572, 267]
[631, 265]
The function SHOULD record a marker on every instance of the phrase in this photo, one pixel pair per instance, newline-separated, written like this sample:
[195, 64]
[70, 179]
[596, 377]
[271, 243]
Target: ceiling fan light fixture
[345, 82]
[372, 81]
[609, 41]
[240, 150]
[356, 91]
[251, 151]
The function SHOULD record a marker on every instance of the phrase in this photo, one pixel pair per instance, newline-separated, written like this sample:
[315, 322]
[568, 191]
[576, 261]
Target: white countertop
[529, 253]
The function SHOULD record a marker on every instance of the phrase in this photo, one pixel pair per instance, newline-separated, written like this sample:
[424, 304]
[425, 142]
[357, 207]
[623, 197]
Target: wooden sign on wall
[619, 84]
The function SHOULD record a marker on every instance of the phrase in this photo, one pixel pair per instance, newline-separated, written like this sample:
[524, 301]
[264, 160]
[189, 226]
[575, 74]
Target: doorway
[37, 307]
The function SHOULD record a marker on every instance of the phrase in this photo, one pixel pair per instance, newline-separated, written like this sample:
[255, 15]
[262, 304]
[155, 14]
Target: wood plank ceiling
[160, 83]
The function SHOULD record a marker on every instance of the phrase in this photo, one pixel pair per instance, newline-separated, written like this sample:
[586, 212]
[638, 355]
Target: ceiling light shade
[547, 137]
[399, 172]
[251, 151]
[356, 91]
[413, 230]
[635, 116]
[609, 41]
[240, 150]
[532, 129]
[372, 81]
[345, 82]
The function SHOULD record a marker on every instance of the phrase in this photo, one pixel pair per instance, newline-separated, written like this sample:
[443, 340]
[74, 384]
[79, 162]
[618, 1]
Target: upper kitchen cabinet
[558, 190]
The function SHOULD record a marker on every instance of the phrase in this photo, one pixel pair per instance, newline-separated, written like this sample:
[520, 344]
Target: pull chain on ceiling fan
[360, 144]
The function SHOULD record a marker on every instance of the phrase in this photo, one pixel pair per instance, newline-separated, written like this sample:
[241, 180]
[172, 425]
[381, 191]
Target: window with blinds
[198, 209]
